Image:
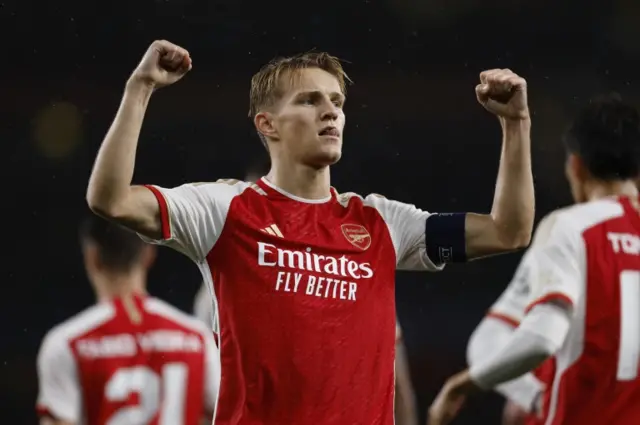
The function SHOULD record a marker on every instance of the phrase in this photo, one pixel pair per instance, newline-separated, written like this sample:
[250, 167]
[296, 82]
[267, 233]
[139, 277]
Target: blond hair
[266, 84]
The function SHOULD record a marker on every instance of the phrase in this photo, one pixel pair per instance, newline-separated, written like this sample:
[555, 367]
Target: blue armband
[445, 238]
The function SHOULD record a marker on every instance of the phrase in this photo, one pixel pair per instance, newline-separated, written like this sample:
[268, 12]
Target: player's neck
[109, 287]
[300, 180]
[601, 190]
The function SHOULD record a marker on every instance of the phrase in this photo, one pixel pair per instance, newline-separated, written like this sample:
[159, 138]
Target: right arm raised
[110, 193]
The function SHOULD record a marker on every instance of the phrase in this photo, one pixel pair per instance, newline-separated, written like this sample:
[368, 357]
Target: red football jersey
[588, 255]
[135, 360]
[304, 293]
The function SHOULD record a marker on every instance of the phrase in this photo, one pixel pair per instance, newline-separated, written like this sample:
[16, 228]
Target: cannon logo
[357, 236]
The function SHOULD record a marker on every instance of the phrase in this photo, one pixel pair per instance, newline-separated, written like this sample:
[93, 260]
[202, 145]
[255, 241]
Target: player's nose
[329, 114]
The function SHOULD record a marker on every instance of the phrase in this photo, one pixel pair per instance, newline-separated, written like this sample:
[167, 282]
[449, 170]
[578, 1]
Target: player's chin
[326, 157]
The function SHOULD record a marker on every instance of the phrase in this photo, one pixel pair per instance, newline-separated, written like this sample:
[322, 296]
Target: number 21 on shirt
[145, 382]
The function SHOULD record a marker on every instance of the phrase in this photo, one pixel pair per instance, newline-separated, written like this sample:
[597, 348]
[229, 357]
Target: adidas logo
[273, 231]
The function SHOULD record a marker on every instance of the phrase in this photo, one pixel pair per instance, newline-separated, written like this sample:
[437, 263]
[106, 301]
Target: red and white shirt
[510, 309]
[304, 294]
[588, 256]
[135, 360]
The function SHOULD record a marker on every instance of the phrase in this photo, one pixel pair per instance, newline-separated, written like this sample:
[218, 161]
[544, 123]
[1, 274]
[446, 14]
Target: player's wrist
[467, 384]
[475, 380]
[516, 124]
[138, 87]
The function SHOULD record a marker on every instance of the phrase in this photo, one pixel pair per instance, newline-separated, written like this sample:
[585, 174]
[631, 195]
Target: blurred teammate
[303, 277]
[524, 394]
[583, 269]
[131, 359]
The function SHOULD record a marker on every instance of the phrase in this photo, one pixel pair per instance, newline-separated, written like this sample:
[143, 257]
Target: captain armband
[445, 238]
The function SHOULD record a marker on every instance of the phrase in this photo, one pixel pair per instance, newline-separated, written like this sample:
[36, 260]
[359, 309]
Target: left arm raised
[510, 223]
[428, 241]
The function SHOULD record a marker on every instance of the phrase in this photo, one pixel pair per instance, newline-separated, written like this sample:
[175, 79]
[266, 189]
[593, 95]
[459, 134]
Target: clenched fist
[163, 64]
[503, 93]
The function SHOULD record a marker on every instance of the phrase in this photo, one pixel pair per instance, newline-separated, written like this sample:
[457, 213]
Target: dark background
[415, 133]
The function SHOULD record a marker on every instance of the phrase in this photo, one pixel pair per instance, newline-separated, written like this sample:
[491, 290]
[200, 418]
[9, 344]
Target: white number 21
[629, 350]
[148, 384]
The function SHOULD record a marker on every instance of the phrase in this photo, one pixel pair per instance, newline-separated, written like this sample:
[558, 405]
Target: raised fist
[503, 93]
[163, 64]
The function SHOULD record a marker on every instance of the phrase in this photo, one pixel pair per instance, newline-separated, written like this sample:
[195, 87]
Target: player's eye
[308, 100]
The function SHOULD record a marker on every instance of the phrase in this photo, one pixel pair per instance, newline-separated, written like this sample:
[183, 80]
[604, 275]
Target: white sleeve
[539, 336]
[59, 394]
[407, 225]
[558, 252]
[212, 373]
[203, 306]
[512, 303]
[491, 336]
[193, 215]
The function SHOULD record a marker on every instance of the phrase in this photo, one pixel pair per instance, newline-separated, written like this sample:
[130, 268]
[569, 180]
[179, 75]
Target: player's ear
[264, 123]
[576, 168]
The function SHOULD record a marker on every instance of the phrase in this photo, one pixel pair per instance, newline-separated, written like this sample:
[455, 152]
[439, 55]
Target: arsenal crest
[357, 235]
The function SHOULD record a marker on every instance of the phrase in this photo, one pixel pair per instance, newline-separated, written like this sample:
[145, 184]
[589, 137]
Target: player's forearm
[514, 203]
[523, 354]
[491, 336]
[110, 181]
[539, 336]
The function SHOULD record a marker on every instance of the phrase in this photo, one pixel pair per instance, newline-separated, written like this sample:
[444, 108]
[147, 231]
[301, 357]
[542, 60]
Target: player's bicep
[139, 211]
[483, 237]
